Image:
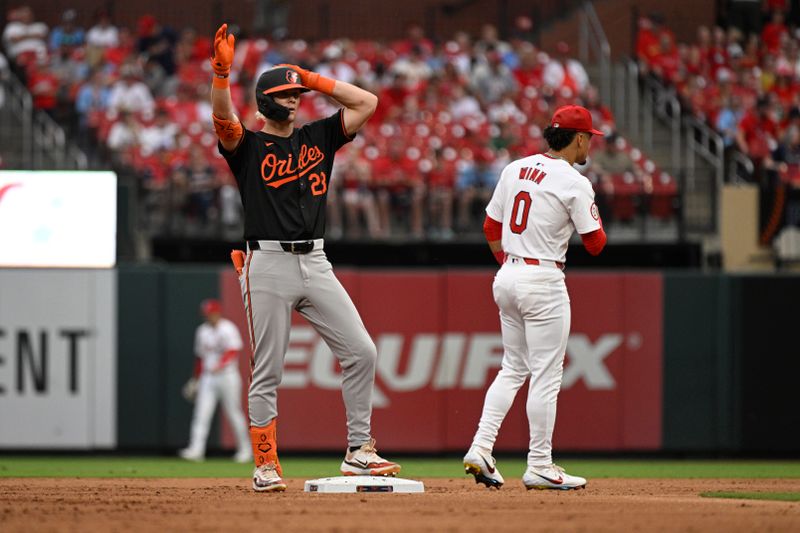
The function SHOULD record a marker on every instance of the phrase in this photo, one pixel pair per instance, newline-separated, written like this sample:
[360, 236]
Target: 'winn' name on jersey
[533, 174]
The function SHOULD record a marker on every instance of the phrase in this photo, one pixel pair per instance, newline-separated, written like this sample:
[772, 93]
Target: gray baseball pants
[275, 282]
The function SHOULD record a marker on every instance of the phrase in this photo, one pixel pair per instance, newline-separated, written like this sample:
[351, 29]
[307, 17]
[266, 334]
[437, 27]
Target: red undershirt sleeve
[594, 241]
[494, 232]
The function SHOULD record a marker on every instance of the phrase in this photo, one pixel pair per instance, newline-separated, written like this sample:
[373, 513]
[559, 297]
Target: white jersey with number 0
[211, 342]
[540, 200]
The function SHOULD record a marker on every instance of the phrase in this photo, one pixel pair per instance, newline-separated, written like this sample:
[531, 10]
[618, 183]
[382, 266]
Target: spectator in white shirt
[334, 67]
[101, 37]
[103, 34]
[22, 35]
[160, 135]
[565, 72]
[124, 133]
[459, 52]
[414, 68]
[463, 104]
[130, 94]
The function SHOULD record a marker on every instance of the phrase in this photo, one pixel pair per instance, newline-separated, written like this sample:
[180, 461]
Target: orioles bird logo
[291, 76]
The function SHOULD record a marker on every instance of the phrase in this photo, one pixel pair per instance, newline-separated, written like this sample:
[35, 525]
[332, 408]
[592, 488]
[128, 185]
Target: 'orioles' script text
[287, 170]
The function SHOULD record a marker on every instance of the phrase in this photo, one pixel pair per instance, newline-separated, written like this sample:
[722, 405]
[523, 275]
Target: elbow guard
[227, 130]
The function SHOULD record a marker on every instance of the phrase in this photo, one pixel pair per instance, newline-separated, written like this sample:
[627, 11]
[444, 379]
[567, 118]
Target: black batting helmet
[272, 81]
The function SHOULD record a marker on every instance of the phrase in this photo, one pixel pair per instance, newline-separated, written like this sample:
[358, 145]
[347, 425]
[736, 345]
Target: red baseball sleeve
[594, 241]
[198, 367]
[494, 232]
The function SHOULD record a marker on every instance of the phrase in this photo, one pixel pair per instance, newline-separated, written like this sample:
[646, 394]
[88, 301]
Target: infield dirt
[70, 504]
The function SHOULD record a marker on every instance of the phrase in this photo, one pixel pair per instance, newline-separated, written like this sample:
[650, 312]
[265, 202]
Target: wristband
[220, 82]
[220, 69]
[314, 81]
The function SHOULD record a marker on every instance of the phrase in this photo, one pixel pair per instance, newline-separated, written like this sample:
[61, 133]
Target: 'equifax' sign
[448, 361]
[439, 348]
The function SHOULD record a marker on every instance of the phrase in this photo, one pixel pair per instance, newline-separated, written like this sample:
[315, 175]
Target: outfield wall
[655, 361]
[439, 347]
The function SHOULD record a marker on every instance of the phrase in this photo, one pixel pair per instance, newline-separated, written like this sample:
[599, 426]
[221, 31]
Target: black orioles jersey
[283, 181]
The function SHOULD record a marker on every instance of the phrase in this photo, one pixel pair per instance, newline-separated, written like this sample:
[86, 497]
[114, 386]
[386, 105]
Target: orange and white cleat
[267, 479]
[365, 461]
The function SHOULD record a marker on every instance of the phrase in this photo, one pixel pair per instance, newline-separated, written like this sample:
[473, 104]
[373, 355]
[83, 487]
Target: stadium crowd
[743, 78]
[451, 114]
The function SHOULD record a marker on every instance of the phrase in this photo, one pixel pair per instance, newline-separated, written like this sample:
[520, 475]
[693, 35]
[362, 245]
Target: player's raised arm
[358, 104]
[226, 123]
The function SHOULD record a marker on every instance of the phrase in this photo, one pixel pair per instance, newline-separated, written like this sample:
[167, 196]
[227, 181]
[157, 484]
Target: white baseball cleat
[365, 461]
[191, 455]
[267, 479]
[551, 477]
[480, 463]
[243, 456]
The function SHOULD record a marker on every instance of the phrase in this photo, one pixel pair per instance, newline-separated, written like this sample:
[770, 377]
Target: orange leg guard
[265, 444]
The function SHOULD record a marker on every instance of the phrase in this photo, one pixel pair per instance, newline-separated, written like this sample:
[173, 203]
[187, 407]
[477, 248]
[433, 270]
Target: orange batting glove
[312, 80]
[223, 56]
[238, 258]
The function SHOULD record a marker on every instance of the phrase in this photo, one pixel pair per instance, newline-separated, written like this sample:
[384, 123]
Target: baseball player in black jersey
[283, 174]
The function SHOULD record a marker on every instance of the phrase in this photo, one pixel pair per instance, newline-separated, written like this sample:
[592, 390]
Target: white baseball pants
[225, 385]
[535, 320]
[273, 284]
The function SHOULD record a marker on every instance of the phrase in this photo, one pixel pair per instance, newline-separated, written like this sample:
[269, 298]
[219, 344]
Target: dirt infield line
[69, 504]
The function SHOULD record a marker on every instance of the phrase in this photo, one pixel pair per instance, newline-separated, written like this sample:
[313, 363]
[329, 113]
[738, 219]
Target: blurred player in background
[537, 204]
[217, 345]
[282, 173]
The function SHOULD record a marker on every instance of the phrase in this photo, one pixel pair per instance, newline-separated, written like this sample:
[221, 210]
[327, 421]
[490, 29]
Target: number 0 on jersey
[519, 213]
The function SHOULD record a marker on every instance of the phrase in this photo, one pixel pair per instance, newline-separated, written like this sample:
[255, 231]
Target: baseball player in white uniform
[538, 202]
[217, 345]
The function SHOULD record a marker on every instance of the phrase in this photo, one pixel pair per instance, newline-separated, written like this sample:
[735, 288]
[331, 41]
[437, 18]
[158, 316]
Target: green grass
[776, 496]
[312, 467]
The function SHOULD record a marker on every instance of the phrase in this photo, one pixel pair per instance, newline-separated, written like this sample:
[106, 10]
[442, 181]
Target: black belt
[301, 247]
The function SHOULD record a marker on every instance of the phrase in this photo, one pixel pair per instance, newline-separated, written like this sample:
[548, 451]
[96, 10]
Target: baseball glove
[189, 390]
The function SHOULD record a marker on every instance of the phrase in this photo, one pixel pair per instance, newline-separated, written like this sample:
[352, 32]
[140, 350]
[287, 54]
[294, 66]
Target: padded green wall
[700, 404]
[158, 314]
